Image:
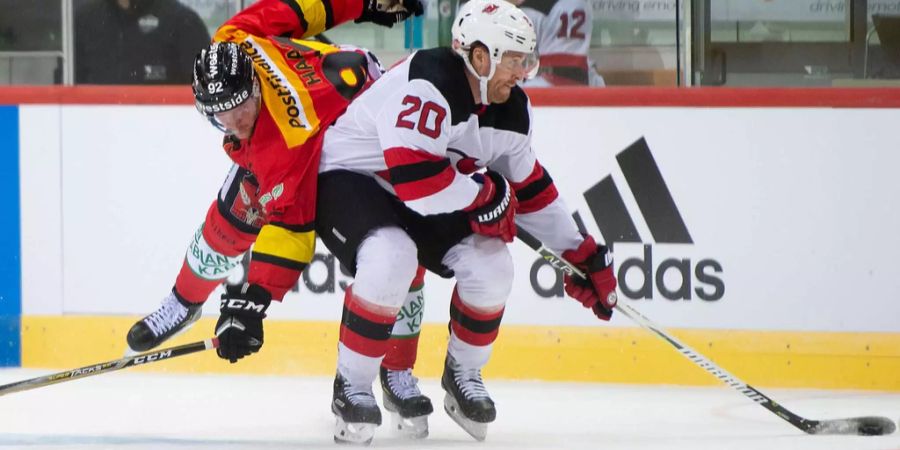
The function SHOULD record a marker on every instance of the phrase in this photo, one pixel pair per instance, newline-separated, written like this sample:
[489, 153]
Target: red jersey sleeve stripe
[329, 14]
[423, 188]
[344, 10]
[536, 191]
[295, 7]
[397, 156]
[417, 174]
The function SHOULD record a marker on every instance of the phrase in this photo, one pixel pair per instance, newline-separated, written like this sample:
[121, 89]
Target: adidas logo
[640, 277]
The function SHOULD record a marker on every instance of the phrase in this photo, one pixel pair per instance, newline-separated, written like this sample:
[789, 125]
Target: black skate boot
[174, 316]
[467, 401]
[409, 408]
[356, 413]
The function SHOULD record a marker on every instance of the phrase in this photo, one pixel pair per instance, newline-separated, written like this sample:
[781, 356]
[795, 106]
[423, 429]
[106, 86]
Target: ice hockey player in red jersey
[272, 95]
[563, 29]
[400, 185]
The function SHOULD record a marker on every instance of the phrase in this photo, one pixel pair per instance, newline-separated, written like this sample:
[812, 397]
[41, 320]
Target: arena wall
[759, 225]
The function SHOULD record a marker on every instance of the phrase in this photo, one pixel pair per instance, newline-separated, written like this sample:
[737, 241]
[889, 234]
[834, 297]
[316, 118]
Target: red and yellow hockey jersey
[305, 86]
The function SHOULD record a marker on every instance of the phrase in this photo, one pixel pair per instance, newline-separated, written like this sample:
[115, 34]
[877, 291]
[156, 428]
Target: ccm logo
[152, 357]
[241, 304]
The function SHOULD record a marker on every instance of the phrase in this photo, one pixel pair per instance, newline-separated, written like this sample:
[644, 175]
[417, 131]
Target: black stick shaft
[109, 366]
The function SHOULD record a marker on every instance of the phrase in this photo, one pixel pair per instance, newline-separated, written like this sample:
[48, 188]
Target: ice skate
[467, 401]
[171, 319]
[356, 413]
[409, 408]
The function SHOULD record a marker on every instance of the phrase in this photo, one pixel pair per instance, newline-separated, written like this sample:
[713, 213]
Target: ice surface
[137, 411]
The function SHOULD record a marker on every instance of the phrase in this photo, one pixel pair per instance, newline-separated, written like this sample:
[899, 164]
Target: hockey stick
[868, 425]
[110, 366]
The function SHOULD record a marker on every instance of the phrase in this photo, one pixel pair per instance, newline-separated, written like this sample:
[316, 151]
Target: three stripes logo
[678, 277]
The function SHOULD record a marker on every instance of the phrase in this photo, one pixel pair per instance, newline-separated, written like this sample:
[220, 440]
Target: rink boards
[760, 225]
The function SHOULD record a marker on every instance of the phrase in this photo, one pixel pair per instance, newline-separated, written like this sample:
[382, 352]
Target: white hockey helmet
[499, 26]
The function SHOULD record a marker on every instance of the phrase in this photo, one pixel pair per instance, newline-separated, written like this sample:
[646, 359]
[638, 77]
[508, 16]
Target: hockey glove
[494, 210]
[598, 292]
[240, 329]
[374, 11]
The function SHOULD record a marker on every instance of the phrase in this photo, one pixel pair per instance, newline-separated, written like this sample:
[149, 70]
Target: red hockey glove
[494, 210]
[599, 291]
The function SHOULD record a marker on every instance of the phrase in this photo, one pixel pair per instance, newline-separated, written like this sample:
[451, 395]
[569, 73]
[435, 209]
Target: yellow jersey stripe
[320, 47]
[315, 15]
[291, 108]
[230, 33]
[285, 244]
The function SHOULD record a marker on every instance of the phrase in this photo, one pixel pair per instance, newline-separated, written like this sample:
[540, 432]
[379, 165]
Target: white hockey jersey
[563, 39]
[419, 132]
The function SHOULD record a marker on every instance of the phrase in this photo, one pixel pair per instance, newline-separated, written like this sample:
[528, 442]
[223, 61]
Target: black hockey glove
[373, 12]
[240, 329]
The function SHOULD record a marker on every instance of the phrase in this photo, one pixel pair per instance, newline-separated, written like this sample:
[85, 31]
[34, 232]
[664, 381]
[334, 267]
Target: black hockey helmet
[223, 78]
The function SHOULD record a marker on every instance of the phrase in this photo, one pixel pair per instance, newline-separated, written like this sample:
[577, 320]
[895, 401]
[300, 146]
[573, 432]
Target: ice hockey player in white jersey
[563, 30]
[401, 184]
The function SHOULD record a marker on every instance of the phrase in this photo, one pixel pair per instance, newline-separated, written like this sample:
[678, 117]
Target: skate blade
[353, 433]
[406, 427]
[477, 430]
[409, 427]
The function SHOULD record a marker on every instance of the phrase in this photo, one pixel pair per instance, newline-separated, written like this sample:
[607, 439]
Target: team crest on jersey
[247, 207]
[490, 9]
[273, 195]
[464, 163]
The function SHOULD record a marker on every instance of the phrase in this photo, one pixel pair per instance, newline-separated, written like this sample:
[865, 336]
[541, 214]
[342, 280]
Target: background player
[563, 29]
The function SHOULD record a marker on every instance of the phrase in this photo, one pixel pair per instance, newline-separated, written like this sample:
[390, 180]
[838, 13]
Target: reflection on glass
[30, 25]
[798, 43]
[780, 21]
[136, 41]
[628, 42]
[30, 41]
[882, 49]
[214, 12]
[634, 41]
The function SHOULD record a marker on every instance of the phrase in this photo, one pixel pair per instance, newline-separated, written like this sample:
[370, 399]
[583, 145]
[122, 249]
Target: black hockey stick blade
[109, 366]
[864, 426]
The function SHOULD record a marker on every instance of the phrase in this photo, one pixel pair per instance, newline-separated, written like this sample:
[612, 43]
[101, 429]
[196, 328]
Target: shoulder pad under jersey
[447, 72]
[512, 115]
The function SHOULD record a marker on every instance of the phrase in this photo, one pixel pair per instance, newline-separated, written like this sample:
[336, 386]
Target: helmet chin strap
[482, 80]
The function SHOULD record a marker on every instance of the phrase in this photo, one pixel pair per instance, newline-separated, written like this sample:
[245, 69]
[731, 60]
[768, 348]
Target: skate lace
[470, 383]
[403, 384]
[170, 314]
[359, 398]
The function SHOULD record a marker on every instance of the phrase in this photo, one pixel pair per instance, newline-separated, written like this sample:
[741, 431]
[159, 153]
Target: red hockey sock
[212, 253]
[362, 330]
[471, 326]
